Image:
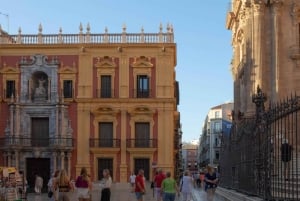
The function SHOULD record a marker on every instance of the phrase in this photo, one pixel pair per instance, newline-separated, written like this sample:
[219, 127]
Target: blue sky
[203, 43]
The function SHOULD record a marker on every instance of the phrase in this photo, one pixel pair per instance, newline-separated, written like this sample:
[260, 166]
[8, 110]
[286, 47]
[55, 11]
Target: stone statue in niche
[40, 92]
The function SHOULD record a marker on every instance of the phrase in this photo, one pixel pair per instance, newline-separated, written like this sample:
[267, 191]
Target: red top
[158, 180]
[139, 180]
[81, 183]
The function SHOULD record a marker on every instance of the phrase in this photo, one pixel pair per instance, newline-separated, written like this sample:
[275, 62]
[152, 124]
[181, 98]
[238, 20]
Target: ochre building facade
[89, 100]
[266, 50]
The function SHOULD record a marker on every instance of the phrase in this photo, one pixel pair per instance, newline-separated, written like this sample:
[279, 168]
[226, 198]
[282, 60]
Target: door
[105, 134]
[40, 132]
[142, 163]
[37, 166]
[105, 163]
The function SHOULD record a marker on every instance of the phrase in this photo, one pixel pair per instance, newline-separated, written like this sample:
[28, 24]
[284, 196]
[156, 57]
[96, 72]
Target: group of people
[60, 186]
[165, 187]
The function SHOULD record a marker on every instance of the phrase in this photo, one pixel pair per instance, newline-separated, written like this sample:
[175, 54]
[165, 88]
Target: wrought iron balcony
[105, 93]
[141, 143]
[105, 143]
[16, 141]
[142, 93]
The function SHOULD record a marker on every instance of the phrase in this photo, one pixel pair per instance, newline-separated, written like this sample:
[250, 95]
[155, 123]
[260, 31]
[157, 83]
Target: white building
[217, 123]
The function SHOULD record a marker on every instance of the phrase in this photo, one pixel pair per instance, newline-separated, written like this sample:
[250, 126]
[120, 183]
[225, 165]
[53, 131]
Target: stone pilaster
[69, 155]
[54, 158]
[62, 160]
[123, 165]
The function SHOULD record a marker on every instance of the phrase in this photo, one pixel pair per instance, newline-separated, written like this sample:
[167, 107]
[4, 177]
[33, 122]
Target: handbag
[50, 194]
[152, 184]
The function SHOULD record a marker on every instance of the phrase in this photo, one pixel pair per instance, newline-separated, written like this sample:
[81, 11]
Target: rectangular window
[10, 88]
[143, 89]
[142, 134]
[105, 91]
[106, 134]
[68, 89]
[217, 127]
[217, 114]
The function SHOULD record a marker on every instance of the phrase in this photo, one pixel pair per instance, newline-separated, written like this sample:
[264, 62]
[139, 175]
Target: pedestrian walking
[106, 185]
[83, 185]
[50, 185]
[186, 186]
[140, 185]
[286, 157]
[169, 188]
[132, 179]
[157, 184]
[38, 185]
[64, 185]
[211, 183]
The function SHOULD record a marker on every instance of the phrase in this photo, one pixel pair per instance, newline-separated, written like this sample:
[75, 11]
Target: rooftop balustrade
[88, 37]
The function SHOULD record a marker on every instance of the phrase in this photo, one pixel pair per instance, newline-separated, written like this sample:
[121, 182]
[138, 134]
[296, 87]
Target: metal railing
[142, 93]
[141, 143]
[15, 141]
[105, 93]
[262, 154]
[105, 143]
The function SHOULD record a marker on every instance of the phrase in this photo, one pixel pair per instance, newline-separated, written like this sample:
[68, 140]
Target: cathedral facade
[266, 50]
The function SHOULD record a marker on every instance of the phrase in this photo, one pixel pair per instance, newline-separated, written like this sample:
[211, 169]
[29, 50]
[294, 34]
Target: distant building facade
[99, 101]
[189, 155]
[217, 123]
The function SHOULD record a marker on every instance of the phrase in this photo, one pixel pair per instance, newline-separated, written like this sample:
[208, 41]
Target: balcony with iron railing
[88, 37]
[141, 143]
[142, 93]
[26, 142]
[105, 143]
[105, 93]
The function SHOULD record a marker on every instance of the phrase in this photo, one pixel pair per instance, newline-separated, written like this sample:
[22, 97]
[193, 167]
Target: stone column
[29, 89]
[9, 159]
[62, 160]
[257, 40]
[69, 155]
[49, 89]
[54, 158]
[17, 159]
[56, 122]
[11, 120]
[18, 120]
[123, 165]
[62, 121]
[275, 51]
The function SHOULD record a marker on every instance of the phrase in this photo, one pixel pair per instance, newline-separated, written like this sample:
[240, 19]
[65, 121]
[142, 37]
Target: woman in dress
[105, 185]
[83, 185]
[186, 186]
[211, 183]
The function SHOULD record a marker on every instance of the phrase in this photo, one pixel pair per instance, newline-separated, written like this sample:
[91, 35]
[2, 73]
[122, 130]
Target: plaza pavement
[121, 192]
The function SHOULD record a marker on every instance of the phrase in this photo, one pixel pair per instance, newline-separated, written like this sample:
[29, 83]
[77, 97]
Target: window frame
[70, 91]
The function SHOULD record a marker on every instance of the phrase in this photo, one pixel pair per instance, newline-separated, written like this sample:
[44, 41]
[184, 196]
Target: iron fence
[261, 156]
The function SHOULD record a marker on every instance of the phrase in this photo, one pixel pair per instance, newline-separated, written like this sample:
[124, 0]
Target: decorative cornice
[105, 110]
[67, 70]
[39, 60]
[141, 110]
[105, 62]
[9, 70]
[142, 61]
